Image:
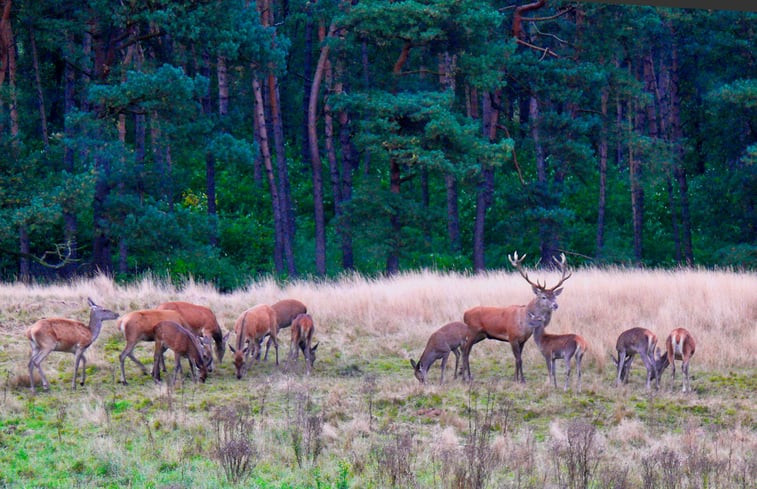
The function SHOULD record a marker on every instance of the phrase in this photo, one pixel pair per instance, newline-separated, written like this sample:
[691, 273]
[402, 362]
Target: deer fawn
[251, 327]
[302, 337]
[448, 338]
[639, 341]
[511, 323]
[66, 335]
[680, 345]
[184, 343]
[556, 346]
[286, 311]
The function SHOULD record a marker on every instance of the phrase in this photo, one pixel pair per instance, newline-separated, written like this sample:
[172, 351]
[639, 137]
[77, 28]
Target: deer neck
[95, 325]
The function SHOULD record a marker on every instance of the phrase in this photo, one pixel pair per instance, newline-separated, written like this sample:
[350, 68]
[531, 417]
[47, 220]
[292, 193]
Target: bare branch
[62, 255]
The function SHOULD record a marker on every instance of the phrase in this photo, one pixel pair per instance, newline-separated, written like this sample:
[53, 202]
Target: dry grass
[363, 385]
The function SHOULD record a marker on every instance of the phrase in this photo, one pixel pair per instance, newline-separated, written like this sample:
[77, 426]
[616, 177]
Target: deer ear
[91, 302]
[226, 336]
[231, 348]
[415, 365]
[558, 292]
[315, 347]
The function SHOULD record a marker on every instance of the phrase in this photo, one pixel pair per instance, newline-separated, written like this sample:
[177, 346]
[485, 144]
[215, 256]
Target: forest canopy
[226, 139]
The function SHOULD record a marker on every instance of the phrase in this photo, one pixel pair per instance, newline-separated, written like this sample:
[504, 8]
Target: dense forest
[229, 138]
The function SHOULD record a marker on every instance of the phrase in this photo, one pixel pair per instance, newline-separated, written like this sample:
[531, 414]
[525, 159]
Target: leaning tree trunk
[315, 157]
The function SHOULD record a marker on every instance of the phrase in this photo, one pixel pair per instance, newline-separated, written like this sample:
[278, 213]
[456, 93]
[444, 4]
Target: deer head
[546, 297]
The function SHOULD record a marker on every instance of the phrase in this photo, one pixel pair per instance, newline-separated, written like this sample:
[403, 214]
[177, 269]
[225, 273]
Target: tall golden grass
[395, 315]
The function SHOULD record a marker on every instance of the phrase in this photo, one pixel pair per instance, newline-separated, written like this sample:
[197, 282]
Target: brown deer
[511, 323]
[634, 341]
[184, 343]
[66, 335]
[448, 338]
[680, 345]
[302, 337]
[139, 326]
[251, 327]
[201, 321]
[286, 311]
[556, 346]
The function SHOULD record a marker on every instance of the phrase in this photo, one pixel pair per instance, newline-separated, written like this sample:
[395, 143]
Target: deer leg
[621, 365]
[79, 358]
[129, 352]
[579, 357]
[38, 359]
[567, 370]
[444, 365]
[518, 362]
[686, 381]
[456, 351]
[276, 345]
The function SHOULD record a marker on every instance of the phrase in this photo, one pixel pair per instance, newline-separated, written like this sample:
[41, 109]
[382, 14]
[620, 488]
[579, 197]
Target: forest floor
[362, 420]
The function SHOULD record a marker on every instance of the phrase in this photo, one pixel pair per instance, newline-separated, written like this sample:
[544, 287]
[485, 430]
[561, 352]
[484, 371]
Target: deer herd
[192, 331]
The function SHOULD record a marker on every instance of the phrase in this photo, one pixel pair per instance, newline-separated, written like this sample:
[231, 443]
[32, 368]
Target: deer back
[59, 334]
[287, 310]
[502, 323]
[140, 325]
[199, 319]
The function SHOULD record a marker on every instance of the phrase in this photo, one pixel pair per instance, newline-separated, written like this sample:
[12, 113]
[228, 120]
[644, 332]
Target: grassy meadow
[361, 419]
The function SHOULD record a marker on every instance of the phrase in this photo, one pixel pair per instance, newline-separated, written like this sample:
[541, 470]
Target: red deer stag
[201, 321]
[251, 328]
[66, 335]
[556, 346]
[634, 341]
[302, 337]
[680, 345]
[511, 323]
[184, 343]
[448, 338]
[140, 326]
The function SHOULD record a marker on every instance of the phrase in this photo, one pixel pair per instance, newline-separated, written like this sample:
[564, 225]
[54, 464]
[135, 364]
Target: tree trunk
[393, 258]
[267, 162]
[447, 64]
[348, 166]
[679, 172]
[602, 204]
[70, 225]
[210, 160]
[484, 189]
[315, 157]
[285, 200]
[40, 93]
[24, 268]
[637, 192]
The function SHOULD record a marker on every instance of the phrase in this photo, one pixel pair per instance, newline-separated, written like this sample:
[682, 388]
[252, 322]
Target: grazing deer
[639, 341]
[66, 335]
[556, 346]
[184, 343]
[448, 338]
[286, 310]
[511, 323]
[251, 327]
[680, 345]
[302, 337]
[139, 326]
[201, 321]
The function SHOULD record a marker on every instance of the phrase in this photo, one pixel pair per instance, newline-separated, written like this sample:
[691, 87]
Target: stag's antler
[515, 262]
[566, 274]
